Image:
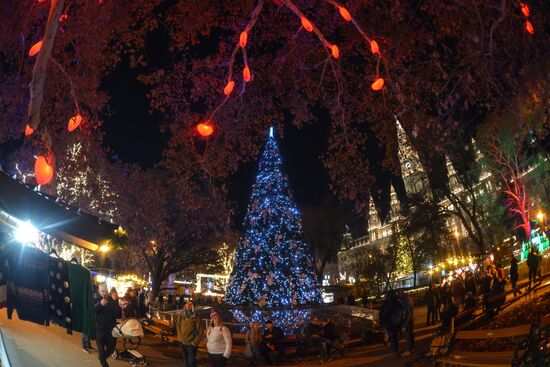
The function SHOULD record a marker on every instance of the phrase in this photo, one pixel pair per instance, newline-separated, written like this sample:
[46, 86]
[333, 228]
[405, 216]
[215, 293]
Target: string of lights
[273, 266]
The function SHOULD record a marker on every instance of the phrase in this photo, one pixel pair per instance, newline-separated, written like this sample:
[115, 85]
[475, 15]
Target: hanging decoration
[229, 88]
[205, 129]
[74, 122]
[529, 27]
[526, 13]
[345, 14]
[43, 171]
[28, 130]
[335, 51]
[332, 50]
[243, 39]
[307, 24]
[35, 49]
[378, 84]
[246, 74]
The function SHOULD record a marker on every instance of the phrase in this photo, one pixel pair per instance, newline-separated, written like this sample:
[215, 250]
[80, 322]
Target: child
[254, 338]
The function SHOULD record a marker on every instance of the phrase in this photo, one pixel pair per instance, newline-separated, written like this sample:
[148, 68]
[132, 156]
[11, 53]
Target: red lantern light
[63, 18]
[28, 130]
[335, 51]
[378, 84]
[529, 27]
[229, 88]
[524, 9]
[205, 129]
[345, 14]
[43, 171]
[35, 48]
[74, 122]
[374, 47]
[306, 24]
[277, 2]
[246, 74]
[243, 39]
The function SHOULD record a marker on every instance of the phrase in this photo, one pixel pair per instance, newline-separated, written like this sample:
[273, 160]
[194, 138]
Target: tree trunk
[36, 86]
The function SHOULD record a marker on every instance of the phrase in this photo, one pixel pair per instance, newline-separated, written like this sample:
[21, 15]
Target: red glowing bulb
[35, 48]
[43, 171]
[205, 129]
[229, 88]
[529, 27]
[246, 74]
[307, 24]
[524, 9]
[378, 84]
[335, 51]
[74, 122]
[28, 130]
[374, 47]
[243, 39]
[345, 14]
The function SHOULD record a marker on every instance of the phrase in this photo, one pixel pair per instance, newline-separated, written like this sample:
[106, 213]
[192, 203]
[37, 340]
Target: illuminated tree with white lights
[273, 266]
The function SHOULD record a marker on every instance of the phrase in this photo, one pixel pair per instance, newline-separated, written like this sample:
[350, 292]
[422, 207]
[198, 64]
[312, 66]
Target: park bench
[486, 359]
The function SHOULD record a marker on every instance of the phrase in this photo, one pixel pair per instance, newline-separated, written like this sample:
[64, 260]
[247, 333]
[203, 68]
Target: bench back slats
[495, 333]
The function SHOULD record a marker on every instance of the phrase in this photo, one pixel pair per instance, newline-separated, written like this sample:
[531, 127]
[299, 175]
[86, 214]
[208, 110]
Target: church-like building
[354, 252]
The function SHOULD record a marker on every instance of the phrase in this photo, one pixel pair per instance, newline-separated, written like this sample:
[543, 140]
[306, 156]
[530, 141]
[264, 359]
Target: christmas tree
[273, 266]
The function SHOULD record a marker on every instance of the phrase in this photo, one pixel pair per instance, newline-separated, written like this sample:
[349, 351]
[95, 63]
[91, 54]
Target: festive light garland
[273, 266]
[309, 26]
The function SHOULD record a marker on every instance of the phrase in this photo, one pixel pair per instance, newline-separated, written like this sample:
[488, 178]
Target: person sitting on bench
[314, 337]
[271, 343]
[334, 341]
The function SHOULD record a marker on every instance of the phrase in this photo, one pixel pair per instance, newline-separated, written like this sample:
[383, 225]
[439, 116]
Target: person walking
[532, 264]
[514, 275]
[391, 318]
[218, 341]
[253, 339]
[189, 331]
[106, 311]
[407, 321]
[431, 305]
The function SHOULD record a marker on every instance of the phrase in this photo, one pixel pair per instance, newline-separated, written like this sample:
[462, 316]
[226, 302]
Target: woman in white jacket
[218, 341]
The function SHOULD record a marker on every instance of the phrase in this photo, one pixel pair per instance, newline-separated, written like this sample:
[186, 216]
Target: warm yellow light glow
[540, 215]
[100, 278]
[104, 248]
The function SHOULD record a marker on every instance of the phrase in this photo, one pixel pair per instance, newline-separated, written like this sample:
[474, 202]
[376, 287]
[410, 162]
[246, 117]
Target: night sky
[133, 136]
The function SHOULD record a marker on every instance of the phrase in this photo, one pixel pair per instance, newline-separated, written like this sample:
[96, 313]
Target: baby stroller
[131, 332]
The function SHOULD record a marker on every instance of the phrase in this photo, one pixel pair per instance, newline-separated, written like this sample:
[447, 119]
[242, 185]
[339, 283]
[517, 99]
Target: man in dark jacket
[431, 304]
[271, 342]
[532, 264]
[407, 321]
[106, 311]
[391, 318]
[330, 334]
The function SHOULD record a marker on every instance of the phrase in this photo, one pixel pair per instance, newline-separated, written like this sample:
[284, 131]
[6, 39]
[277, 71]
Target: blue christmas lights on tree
[273, 266]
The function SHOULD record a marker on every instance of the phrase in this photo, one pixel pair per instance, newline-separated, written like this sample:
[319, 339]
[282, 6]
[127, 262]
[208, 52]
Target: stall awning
[49, 215]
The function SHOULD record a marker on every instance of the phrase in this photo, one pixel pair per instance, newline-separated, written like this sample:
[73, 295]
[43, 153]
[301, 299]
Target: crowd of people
[467, 289]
